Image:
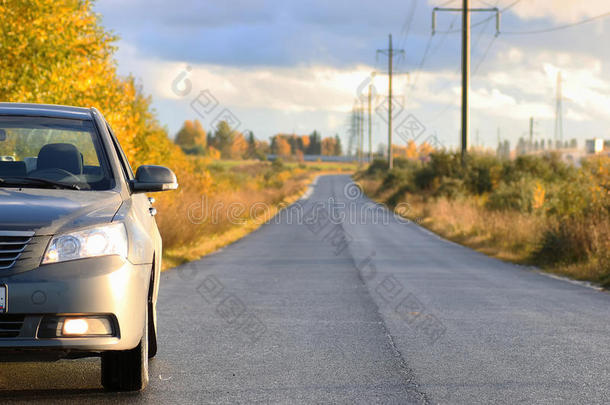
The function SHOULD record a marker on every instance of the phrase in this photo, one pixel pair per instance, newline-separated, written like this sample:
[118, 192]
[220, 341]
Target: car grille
[12, 245]
[10, 325]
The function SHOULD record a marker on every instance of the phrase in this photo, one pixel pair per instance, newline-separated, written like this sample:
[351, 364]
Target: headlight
[92, 242]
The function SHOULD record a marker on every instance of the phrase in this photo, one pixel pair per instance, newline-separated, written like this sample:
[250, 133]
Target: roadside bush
[534, 209]
[479, 171]
[277, 165]
[399, 195]
[446, 164]
[377, 168]
[406, 164]
[517, 195]
[548, 168]
[575, 239]
[424, 178]
[450, 188]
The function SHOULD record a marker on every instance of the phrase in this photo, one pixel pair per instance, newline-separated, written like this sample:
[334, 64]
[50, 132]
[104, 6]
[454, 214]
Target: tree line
[227, 143]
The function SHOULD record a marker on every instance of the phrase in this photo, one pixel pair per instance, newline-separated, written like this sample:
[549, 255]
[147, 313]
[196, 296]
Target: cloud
[284, 66]
[280, 88]
[257, 32]
[559, 11]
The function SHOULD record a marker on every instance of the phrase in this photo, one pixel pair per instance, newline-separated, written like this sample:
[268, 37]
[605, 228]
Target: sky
[274, 66]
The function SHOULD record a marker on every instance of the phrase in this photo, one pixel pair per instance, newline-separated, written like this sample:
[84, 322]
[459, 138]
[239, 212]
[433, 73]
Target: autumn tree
[191, 137]
[251, 144]
[239, 147]
[328, 146]
[256, 149]
[305, 142]
[425, 149]
[282, 147]
[223, 139]
[411, 150]
[57, 52]
[338, 147]
[315, 144]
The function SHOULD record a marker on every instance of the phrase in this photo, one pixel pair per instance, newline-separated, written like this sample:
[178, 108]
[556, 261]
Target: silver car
[80, 252]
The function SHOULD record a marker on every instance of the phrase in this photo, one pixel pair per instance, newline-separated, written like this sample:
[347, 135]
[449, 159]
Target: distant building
[594, 146]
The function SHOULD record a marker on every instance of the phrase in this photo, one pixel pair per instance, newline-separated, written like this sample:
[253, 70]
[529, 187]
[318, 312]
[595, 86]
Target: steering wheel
[56, 174]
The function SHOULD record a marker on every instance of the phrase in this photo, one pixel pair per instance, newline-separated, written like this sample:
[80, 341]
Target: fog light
[75, 327]
[84, 326]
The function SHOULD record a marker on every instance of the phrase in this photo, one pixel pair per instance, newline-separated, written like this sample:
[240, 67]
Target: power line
[559, 27]
[483, 21]
[480, 35]
[406, 27]
[444, 36]
[476, 69]
[421, 64]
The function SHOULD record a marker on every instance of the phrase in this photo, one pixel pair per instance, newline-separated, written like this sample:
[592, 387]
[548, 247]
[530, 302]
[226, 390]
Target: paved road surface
[361, 309]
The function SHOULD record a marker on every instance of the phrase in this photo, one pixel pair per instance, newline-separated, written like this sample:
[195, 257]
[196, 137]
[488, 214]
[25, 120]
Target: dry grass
[511, 235]
[503, 234]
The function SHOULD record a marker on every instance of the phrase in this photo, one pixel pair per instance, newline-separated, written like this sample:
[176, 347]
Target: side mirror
[151, 178]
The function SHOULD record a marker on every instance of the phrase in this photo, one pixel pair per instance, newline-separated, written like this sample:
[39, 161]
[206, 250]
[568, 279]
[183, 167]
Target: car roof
[45, 110]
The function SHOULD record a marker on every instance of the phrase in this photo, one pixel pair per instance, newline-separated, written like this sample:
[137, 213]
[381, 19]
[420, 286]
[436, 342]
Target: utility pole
[390, 67]
[465, 76]
[390, 52]
[354, 133]
[361, 110]
[370, 121]
[558, 113]
[531, 142]
[465, 10]
[358, 125]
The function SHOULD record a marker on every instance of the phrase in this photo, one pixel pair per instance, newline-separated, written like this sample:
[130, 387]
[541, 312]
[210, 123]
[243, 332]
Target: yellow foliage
[213, 153]
[238, 147]
[539, 193]
[55, 52]
[283, 147]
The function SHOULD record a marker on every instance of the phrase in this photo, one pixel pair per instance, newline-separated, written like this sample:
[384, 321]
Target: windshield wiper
[19, 181]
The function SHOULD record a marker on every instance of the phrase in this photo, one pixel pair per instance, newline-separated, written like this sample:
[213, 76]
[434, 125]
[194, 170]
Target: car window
[127, 170]
[54, 149]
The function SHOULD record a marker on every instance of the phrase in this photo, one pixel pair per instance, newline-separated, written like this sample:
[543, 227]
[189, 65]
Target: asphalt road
[355, 307]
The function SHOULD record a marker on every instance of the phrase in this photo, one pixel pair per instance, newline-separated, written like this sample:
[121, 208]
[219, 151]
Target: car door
[145, 232]
[141, 208]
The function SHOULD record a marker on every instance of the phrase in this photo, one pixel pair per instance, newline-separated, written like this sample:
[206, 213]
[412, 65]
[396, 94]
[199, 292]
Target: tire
[152, 317]
[127, 370]
[152, 332]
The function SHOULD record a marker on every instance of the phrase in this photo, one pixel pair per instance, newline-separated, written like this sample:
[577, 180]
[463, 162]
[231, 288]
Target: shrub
[478, 175]
[277, 165]
[450, 188]
[575, 239]
[403, 163]
[377, 167]
[396, 178]
[424, 178]
[445, 164]
[517, 195]
[399, 195]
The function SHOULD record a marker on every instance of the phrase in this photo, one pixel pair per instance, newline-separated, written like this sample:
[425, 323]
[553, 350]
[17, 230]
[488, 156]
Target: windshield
[40, 152]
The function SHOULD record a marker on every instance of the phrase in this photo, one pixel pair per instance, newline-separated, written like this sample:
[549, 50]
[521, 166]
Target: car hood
[51, 211]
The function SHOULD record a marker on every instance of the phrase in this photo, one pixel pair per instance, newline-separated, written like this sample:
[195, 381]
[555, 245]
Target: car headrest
[13, 169]
[60, 156]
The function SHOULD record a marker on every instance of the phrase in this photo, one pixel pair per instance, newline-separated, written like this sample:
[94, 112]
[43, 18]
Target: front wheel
[152, 332]
[127, 370]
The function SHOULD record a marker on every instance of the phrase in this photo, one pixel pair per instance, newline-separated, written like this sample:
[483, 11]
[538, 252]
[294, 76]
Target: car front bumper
[110, 286]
